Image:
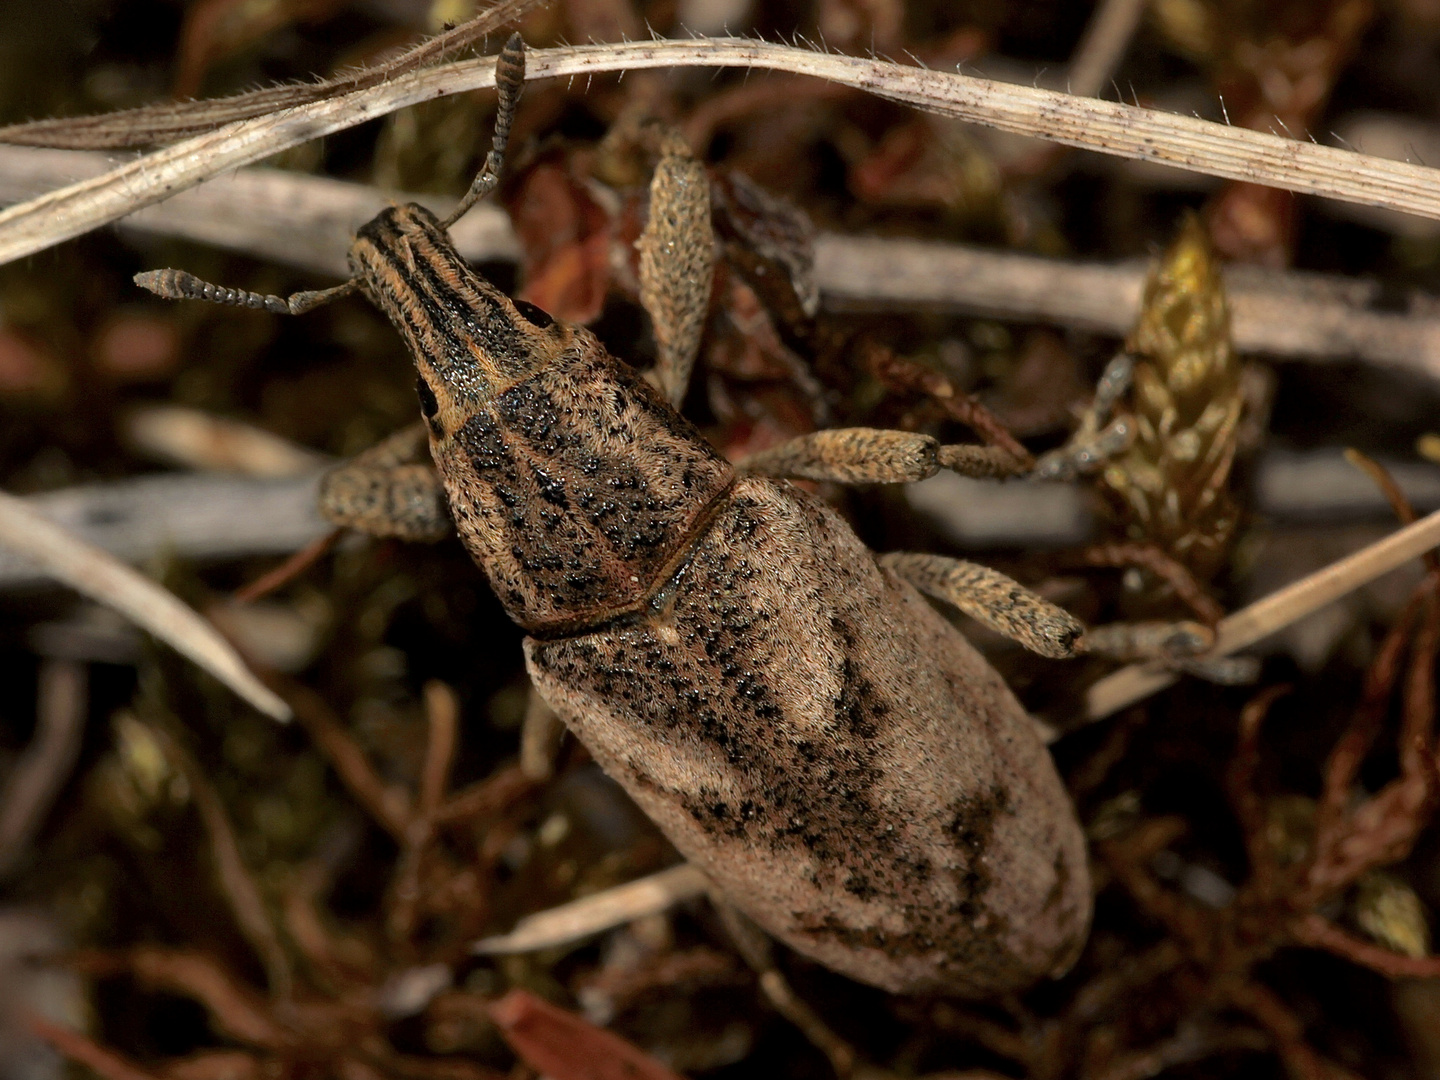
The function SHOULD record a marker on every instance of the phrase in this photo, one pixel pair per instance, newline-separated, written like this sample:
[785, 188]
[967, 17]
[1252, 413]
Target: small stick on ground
[594, 914]
[41, 771]
[388, 805]
[243, 894]
[288, 570]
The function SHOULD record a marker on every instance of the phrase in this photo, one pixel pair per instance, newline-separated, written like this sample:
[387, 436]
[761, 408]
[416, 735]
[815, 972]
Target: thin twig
[442, 713]
[541, 733]
[1346, 757]
[1109, 127]
[964, 408]
[1103, 46]
[150, 125]
[102, 577]
[1281, 314]
[236, 882]
[288, 570]
[1274, 612]
[1151, 557]
[234, 1008]
[194, 439]
[82, 1050]
[1321, 933]
[1190, 1043]
[1287, 1032]
[182, 515]
[1246, 801]
[594, 914]
[1394, 494]
[41, 771]
[387, 805]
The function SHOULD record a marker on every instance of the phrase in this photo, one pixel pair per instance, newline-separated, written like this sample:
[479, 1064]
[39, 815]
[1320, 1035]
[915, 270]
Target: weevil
[786, 706]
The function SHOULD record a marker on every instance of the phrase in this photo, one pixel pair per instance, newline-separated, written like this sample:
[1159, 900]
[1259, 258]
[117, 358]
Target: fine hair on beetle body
[799, 720]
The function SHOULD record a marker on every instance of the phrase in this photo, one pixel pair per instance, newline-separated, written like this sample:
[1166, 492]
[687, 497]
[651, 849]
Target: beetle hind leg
[992, 598]
[389, 490]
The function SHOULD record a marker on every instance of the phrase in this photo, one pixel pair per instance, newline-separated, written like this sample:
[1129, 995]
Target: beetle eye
[533, 315]
[428, 405]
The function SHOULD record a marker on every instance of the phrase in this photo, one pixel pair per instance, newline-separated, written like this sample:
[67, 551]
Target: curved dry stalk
[605, 910]
[42, 769]
[1274, 612]
[1103, 46]
[102, 577]
[1109, 127]
[241, 891]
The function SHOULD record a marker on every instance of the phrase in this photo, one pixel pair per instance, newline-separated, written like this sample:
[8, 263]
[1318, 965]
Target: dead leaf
[565, 1047]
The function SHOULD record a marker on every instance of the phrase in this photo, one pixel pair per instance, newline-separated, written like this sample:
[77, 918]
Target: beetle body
[801, 724]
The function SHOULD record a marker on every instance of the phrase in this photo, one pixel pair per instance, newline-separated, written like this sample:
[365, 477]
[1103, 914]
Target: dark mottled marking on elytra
[972, 824]
[787, 704]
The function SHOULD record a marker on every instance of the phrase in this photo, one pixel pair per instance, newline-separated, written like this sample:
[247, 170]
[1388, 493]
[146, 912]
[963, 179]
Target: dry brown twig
[247, 904]
[1108, 127]
[41, 771]
[1103, 46]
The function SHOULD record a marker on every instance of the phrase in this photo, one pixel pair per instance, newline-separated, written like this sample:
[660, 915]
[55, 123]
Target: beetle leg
[876, 456]
[677, 260]
[1000, 602]
[389, 490]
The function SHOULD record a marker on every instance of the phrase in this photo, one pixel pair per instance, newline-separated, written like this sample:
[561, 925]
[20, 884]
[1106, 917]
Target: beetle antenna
[509, 81]
[178, 285]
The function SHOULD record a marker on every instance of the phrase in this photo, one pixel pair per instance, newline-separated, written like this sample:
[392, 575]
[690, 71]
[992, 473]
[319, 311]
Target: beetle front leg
[877, 456]
[389, 490]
